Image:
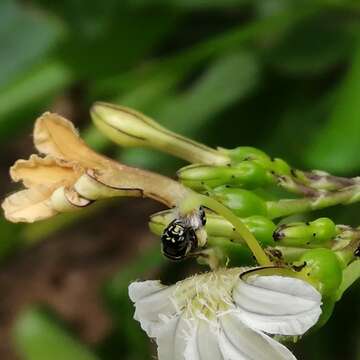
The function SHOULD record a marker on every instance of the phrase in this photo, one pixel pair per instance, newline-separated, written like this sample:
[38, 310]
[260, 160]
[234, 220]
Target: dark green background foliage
[282, 75]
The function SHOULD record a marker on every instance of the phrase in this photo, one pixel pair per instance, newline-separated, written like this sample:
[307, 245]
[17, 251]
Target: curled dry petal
[47, 171]
[28, 205]
[56, 136]
[71, 176]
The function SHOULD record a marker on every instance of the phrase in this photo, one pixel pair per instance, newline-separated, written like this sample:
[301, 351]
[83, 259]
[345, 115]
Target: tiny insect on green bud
[311, 233]
[242, 202]
[216, 226]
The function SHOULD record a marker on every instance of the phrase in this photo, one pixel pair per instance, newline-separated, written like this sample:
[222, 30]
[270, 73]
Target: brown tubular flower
[71, 176]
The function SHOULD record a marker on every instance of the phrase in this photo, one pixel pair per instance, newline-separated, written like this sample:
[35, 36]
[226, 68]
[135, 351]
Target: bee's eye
[177, 240]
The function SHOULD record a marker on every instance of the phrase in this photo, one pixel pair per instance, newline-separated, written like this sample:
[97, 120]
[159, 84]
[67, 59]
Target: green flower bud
[261, 227]
[131, 128]
[297, 234]
[202, 177]
[242, 202]
[322, 267]
[242, 153]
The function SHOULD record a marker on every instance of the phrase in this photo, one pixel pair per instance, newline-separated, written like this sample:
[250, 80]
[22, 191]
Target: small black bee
[178, 240]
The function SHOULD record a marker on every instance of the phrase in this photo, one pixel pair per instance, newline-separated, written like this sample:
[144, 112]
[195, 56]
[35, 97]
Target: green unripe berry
[250, 175]
[242, 202]
[321, 266]
[297, 234]
[262, 228]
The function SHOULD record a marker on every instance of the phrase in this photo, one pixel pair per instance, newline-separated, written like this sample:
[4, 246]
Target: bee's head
[177, 240]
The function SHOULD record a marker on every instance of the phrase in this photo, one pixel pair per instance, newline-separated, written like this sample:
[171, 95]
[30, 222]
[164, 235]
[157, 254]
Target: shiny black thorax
[178, 240]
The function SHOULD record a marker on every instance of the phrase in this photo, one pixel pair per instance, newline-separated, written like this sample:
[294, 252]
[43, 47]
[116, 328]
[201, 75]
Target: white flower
[225, 314]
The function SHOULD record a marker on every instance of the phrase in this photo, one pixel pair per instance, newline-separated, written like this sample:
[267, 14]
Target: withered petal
[56, 136]
[28, 205]
[47, 171]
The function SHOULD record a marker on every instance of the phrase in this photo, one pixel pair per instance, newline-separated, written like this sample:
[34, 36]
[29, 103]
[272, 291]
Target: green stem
[285, 207]
[195, 200]
[350, 275]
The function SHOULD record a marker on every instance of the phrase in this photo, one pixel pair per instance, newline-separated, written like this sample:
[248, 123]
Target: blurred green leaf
[192, 58]
[191, 4]
[335, 147]
[311, 47]
[226, 81]
[25, 38]
[298, 120]
[35, 86]
[38, 336]
[101, 47]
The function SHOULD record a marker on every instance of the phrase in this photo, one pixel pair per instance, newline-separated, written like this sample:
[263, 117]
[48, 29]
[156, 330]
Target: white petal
[152, 303]
[172, 338]
[239, 342]
[203, 344]
[277, 304]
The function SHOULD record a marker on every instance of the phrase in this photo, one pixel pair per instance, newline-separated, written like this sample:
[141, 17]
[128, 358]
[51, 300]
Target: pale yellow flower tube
[71, 176]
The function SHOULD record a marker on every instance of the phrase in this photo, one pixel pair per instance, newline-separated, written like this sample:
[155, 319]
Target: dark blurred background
[281, 75]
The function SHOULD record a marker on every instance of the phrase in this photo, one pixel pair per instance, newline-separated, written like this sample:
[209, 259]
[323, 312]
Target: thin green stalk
[350, 275]
[285, 207]
[195, 200]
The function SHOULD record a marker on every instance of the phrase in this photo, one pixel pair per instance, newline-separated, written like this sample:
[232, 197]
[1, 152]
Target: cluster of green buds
[228, 209]
[246, 181]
